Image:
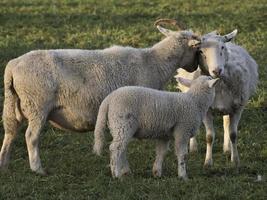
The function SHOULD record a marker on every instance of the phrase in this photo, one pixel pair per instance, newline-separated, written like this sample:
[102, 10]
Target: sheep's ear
[184, 81]
[228, 37]
[215, 32]
[213, 82]
[164, 31]
[194, 43]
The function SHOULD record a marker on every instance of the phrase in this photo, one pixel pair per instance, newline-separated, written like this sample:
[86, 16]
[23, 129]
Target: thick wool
[66, 87]
[147, 113]
[237, 83]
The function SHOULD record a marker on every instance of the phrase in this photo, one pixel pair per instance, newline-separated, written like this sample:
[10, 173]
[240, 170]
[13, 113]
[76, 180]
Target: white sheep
[238, 72]
[66, 87]
[152, 114]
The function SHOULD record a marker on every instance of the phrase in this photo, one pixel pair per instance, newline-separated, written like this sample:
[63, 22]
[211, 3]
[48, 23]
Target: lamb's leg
[210, 136]
[226, 141]
[193, 144]
[161, 150]
[181, 150]
[234, 120]
[118, 149]
[32, 140]
[10, 126]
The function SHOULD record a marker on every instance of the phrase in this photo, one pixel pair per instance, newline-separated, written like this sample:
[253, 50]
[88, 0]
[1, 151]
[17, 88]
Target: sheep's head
[190, 42]
[202, 85]
[213, 53]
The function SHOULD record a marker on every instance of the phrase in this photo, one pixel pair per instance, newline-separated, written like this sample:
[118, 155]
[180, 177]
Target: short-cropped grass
[74, 171]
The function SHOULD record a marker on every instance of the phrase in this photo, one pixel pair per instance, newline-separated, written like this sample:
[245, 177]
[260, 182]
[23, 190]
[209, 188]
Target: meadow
[74, 171]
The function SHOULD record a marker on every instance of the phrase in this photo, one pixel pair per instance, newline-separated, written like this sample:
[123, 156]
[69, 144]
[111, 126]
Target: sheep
[66, 87]
[146, 113]
[238, 74]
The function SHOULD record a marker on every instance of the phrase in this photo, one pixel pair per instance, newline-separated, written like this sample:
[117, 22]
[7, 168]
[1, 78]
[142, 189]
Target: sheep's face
[200, 82]
[201, 85]
[213, 53]
[190, 44]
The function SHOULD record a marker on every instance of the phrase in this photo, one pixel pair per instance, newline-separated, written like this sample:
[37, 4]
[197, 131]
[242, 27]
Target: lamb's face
[204, 83]
[213, 53]
[201, 84]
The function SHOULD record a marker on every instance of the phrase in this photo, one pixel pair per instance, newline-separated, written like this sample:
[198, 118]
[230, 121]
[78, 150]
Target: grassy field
[75, 173]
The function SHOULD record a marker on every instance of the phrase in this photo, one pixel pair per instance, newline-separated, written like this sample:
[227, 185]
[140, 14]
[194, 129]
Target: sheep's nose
[217, 71]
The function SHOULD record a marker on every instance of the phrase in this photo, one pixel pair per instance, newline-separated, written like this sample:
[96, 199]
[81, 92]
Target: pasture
[74, 171]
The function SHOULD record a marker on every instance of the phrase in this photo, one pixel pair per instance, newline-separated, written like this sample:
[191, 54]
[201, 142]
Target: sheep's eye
[201, 52]
[222, 47]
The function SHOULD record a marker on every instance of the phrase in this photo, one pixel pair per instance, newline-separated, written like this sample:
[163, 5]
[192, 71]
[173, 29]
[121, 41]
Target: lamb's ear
[164, 31]
[184, 81]
[228, 37]
[213, 82]
[194, 43]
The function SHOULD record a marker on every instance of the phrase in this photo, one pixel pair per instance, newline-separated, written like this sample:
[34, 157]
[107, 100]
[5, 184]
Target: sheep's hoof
[42, 172]
[125, 172]
[156, 173]
[227, 149]
[208, 164]
[184, 178]
[235, 163]
[193, 149]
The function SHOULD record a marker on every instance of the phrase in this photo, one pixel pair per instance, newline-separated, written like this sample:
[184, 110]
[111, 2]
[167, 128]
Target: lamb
[140, 112]
[238, 74]
[66, 87]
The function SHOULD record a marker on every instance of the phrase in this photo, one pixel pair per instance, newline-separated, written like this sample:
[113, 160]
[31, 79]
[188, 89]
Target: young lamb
[152, 114]
[66, 87]
[238, 74]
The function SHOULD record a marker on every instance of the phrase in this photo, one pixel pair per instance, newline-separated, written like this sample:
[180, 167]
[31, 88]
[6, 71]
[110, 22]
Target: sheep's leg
[32, 140]
[210, 136]
[193, 144]
[10, 126]
[234, 120]
[161, 150]
[181, 150]
[226, 141]
[125, 168]
[118, 149]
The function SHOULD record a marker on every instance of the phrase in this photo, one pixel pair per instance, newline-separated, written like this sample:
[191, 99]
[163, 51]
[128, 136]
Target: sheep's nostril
[217, 72]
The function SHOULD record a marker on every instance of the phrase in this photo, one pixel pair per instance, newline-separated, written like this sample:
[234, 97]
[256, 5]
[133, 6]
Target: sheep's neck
[169, 53]
[203, 100]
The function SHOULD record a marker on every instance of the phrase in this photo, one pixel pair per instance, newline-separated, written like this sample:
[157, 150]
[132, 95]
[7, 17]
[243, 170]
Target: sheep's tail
[100, 128]
[11, 110]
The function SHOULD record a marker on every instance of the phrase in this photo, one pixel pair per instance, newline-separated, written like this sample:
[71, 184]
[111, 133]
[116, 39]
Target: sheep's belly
[73, 121]
[152, 134]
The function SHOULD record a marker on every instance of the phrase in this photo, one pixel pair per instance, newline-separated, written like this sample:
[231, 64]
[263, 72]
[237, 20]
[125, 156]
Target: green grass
[75, 173]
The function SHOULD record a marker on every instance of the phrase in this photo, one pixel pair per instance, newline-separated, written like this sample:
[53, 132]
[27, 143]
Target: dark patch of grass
[75, 173]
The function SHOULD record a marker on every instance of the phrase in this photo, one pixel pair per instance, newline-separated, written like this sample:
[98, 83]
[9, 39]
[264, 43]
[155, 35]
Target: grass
[75, 173]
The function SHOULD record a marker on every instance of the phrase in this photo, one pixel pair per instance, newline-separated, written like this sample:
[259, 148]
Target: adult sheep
[238, 74]
[66, 87]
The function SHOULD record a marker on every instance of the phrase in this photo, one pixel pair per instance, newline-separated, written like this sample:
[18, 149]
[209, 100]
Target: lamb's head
[201, 85]
[185, 39]
[213, 53]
